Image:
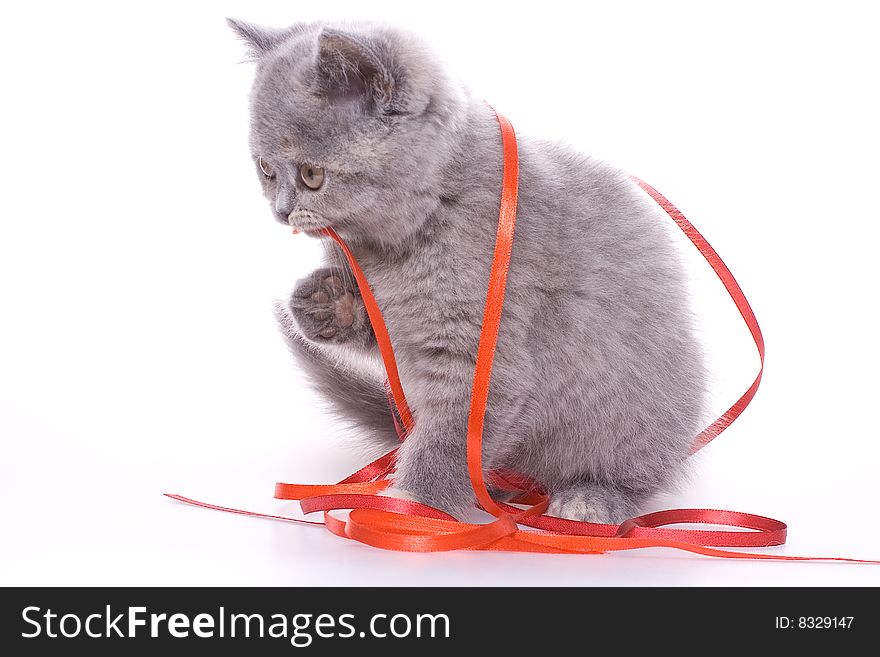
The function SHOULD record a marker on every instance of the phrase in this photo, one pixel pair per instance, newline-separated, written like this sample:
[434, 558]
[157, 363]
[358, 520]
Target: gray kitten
[598, 386]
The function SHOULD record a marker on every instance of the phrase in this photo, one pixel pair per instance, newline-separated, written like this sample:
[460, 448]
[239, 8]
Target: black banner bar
[330, 620]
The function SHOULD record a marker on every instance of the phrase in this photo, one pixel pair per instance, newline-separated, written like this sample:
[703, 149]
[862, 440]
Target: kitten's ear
[258, 38]
[356, 69]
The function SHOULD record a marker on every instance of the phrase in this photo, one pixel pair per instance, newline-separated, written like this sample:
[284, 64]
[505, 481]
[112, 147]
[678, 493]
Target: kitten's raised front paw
[593, 503]
[329, 309]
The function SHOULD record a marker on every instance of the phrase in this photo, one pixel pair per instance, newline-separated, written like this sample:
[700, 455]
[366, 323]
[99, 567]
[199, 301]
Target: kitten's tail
[355, 392]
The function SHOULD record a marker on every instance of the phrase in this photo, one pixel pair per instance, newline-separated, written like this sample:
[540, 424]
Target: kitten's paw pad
[325, 308]
[591, 505]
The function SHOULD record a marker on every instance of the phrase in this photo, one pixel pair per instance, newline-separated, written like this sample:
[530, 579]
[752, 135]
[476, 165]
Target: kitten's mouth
[305, 221]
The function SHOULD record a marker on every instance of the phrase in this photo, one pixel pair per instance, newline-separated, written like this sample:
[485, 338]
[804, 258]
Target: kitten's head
[350, 127]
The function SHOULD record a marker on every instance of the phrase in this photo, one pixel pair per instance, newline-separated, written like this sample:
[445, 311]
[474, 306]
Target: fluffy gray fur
[598, 385]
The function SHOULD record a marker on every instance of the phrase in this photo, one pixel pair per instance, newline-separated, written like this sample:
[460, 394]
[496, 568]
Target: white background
[138, 264]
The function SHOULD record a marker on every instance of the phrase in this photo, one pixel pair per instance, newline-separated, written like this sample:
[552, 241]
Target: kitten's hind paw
[593, 503]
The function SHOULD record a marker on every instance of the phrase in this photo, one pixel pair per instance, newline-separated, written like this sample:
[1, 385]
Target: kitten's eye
[311, 176]
[265, 168]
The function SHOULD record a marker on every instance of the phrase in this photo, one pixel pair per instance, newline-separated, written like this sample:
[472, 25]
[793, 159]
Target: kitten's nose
[283, 207]
[285, 200]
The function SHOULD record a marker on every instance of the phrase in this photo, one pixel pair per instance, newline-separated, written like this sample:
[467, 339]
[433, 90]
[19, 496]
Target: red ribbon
[398, 524]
